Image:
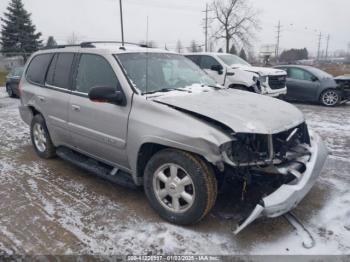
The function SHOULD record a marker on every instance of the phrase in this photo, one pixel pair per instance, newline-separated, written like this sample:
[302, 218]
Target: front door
[301, 85]
[98, 129]
[207, 63]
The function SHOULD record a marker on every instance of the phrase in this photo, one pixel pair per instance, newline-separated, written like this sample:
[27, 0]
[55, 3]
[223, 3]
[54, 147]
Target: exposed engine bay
[272, 163]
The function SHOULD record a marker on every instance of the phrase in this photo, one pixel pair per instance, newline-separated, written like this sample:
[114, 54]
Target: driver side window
[299, 74]
[94, 71]
[207, 62]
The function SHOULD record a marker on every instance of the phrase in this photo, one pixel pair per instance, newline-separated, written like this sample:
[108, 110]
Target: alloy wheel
[39, 137]
[174, 188]
[330, 98]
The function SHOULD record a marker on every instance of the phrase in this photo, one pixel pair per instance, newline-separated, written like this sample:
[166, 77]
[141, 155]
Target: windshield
[319, 73]
[233, 60]
[153, 72]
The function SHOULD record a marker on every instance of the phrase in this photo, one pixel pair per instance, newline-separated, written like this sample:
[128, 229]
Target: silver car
[151, 118]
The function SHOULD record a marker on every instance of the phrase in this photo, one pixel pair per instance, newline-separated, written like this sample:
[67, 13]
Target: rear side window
[60, 69]
[94, 71]
[38, 67]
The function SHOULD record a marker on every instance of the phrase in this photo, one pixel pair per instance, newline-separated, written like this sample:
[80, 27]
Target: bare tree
[236, 21]
[194, 47]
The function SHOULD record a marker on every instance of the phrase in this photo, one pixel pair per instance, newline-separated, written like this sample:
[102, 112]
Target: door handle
[41, 98]
[76, 108]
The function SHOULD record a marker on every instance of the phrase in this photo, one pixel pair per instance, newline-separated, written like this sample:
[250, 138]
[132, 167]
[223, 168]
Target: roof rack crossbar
[90, 43]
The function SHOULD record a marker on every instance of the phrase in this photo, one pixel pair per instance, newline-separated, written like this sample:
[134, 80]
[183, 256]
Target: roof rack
[90, 44]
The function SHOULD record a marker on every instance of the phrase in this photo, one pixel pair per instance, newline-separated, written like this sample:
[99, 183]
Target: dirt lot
[52, 207]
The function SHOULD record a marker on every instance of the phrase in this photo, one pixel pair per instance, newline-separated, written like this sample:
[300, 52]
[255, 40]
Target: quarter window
[94, 71]
[60, 69]
[38, 67]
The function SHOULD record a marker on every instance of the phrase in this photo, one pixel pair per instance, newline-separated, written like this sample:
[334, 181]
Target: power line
[206, 26]
[319, 46]
[328, 38]
[278, 40]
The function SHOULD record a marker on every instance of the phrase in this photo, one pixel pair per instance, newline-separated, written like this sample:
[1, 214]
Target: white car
[233, 72]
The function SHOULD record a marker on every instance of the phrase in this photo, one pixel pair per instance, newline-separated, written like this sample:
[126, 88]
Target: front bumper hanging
[288, 196]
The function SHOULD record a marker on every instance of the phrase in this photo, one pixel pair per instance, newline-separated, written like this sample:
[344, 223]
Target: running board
[104, 171]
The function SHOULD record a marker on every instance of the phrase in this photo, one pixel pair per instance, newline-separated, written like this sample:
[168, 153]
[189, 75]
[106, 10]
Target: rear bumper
[26, 114]
[289, 196]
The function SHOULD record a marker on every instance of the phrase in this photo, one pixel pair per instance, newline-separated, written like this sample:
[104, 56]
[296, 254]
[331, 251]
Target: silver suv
[151, 118]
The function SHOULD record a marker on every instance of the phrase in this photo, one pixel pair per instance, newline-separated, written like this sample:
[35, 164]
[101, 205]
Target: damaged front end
[287, 165]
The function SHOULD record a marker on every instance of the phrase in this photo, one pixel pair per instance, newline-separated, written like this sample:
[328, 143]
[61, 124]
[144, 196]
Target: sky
[170, 21]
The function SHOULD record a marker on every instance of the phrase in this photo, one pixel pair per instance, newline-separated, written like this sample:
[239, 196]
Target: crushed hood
[241, 111]
[263, 71]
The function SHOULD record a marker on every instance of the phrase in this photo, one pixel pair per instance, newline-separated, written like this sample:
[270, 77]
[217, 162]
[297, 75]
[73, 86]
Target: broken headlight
[259, 149]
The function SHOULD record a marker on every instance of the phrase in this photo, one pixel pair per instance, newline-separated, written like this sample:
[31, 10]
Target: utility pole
[277, 51]
[206, 27]
[121, 20]
[328, 38]
[319, 46]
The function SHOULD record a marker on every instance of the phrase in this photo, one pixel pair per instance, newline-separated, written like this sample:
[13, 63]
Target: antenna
[121, 20]
[147, 58]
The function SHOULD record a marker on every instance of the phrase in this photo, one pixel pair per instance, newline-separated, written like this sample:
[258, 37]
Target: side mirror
[218, 68]
[105, 94]
[314, 79]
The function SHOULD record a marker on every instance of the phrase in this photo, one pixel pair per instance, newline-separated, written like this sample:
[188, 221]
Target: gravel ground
[52, 207]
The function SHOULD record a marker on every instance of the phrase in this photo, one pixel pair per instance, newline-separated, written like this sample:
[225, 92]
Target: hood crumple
[263, 71]
[241, 111]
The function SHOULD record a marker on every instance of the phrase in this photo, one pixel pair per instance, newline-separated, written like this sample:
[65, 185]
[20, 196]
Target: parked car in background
[310, 84]
[151, 118]
[12, 81]
[233, 72]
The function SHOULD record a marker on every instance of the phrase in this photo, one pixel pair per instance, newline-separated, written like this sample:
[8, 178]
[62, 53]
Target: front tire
[41, 138]
[180, 187]
[330, 98]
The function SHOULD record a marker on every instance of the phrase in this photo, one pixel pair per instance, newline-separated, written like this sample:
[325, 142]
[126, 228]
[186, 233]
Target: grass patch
[2, 78]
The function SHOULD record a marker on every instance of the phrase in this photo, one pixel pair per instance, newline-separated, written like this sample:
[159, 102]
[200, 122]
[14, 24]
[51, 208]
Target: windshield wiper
[164, 90]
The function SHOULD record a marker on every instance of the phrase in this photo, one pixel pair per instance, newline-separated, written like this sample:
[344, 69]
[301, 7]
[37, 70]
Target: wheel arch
[149, 148]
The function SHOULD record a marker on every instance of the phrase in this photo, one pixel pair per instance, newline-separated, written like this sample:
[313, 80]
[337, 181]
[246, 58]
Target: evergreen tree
[233, 50]
[179, 46]
[220, 50]
[51, 42]
[18, 34]
[193, 47]
[243, 55]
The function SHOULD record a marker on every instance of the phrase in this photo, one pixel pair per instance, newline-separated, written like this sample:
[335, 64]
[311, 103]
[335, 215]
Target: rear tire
[330, 98]
[180, 186]
[41, 138]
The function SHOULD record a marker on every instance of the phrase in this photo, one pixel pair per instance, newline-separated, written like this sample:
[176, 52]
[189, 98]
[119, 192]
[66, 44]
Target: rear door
[98, 129]
[301, 84]
[58, 85]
